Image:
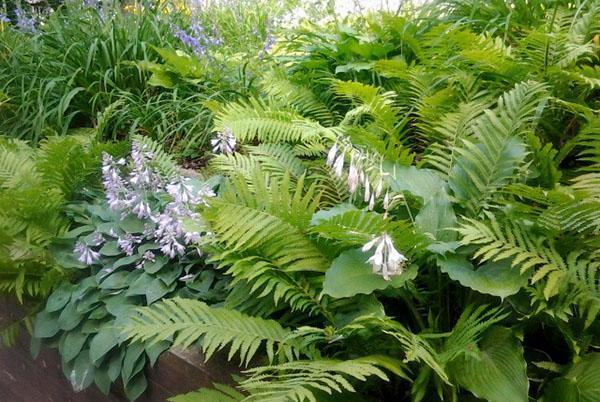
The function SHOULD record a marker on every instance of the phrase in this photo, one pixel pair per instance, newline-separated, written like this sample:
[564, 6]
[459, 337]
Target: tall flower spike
[386, 261]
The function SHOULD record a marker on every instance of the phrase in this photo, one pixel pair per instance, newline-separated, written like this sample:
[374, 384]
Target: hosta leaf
[350, 274]
[496, 371]
[581, 383]
[495, 278]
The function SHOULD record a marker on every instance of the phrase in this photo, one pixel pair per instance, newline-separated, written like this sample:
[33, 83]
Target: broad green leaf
[72, 345]
[495, 278]
[69, 317]
[46, 325]
[496, 371]
[82, 371]
[103, 342]
[581, 383]
[157, 289]
[132, 224]
[59, 298]
[110, 249]
[350, 274]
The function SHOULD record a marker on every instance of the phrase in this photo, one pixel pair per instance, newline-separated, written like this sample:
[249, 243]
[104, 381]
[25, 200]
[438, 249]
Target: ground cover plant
[394, 206]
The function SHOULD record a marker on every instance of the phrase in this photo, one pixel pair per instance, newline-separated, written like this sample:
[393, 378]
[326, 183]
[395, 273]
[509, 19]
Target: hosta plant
[129, 248]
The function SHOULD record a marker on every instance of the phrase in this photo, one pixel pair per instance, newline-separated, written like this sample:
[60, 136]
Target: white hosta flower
[224, 142]
[386, 261]
[332, 154]
[353, 176]
[86, 254]
[367, 186]
[338, 165]
[97, 239]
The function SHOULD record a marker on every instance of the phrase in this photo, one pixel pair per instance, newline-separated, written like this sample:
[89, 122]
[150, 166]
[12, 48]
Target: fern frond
[297, 381]
[491, 162]
[302, 99]
[256, 120]
[270, 220]
[497, 243]
[189, 321]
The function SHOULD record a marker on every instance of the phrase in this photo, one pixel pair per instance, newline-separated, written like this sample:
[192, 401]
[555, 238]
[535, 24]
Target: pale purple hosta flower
[86, 254]
[182, 192]
[224, 142]
[191, 237]
[127, 243]
[386, 261]
[114, 187]
[97, 239]
[3, 18]
[367, 186]
[141, 208]
[141, 174]
[147, 256]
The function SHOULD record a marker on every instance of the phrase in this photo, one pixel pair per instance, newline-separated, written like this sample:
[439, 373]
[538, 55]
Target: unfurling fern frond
[298, 381]
[189, 321]
[256, 120]
[492, 160]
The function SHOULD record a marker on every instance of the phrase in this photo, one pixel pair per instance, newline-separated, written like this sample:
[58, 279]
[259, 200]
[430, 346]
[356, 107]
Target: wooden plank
[23, 379]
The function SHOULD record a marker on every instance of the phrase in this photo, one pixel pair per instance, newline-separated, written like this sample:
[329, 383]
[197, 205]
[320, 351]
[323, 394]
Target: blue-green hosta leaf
[581, 383]
[350, 274]
[103, 342]
[82, 371]
[496, 371]
[436, 216]
[496, 278]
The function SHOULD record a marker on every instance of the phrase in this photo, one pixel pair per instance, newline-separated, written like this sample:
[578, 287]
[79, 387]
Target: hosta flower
[86, 254]
[141, 208]
[224, 142]
[147, 256]
[386, 261]
[127, 243]
[97, 239]
[353, 176]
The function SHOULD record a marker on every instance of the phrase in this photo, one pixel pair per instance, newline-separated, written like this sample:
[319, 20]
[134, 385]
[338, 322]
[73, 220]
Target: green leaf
[581, 383]
[59, 298]
[136, 387]
[496, 371]
[69, 317]
[81, 374]
[153, 267]
[117, 280]
[102, 343]
[350, 274]
[72, 345]
[110, 249]
[157, 289]
[132, 224]
[495, 278]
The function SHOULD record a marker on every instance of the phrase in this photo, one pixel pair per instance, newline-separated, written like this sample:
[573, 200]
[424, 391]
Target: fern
[298, 381]
[270, 220]
[256, 120]
[492, 160]
[189, 321]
